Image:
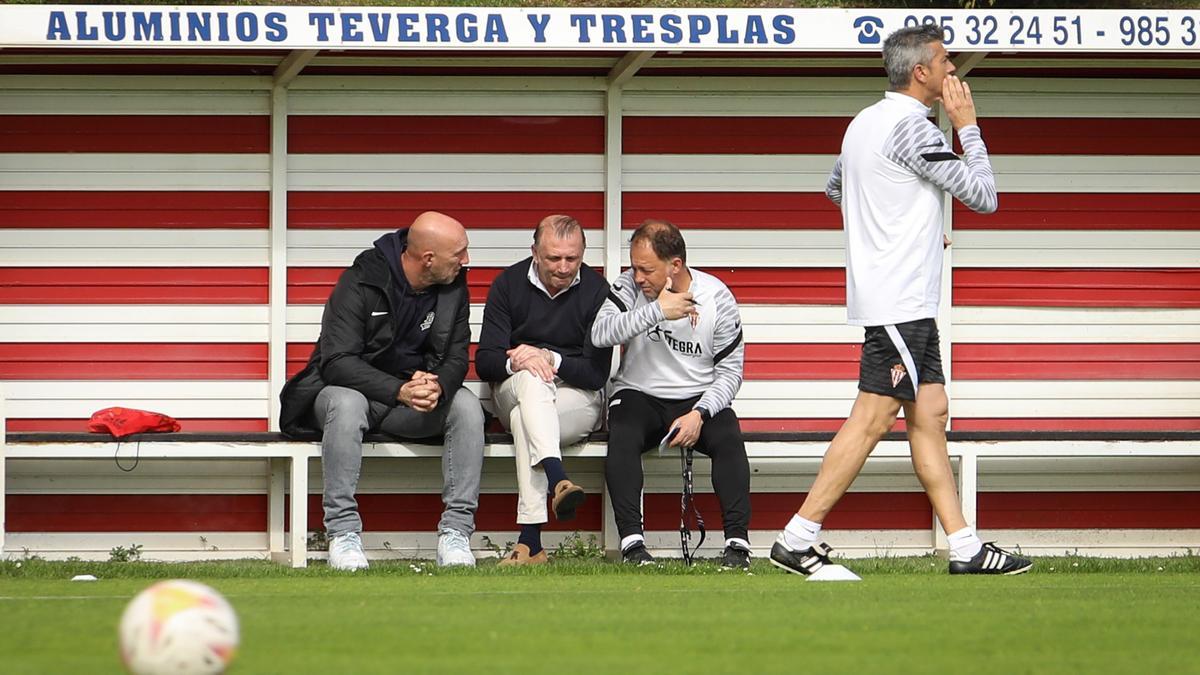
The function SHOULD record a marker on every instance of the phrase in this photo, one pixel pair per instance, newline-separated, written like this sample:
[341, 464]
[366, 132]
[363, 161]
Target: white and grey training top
[889, 181]
[673, 359]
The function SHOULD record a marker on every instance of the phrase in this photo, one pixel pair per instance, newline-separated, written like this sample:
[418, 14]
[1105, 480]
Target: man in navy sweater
[547, 379]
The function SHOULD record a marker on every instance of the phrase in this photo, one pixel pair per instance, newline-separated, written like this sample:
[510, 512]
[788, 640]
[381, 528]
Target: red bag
[123, 422]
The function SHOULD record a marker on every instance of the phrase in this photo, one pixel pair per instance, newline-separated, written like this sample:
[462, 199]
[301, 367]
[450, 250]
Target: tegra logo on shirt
[427, 322]
[683, 347]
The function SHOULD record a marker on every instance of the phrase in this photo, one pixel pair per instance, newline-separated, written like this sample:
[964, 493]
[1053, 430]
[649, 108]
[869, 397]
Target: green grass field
[587, 616]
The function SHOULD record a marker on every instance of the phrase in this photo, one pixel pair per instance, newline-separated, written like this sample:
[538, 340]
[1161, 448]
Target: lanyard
[686, 504]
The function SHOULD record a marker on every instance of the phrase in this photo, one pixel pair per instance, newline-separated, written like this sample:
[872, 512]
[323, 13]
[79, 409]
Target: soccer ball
[180, 627]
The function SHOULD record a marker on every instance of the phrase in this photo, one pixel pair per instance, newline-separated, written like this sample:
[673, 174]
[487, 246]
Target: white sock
[800, 533]
[964, 544]
[740, 543]
[631, 540]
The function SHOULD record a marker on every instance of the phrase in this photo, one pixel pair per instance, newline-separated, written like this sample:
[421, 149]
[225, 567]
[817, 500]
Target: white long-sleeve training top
[889, 181]
[673, 359]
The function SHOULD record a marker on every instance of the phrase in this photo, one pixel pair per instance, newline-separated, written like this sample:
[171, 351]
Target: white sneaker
[346, 553]
[454, 548]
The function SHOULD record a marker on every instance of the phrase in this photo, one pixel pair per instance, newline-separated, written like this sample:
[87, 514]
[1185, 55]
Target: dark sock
[531, 536]
[554, 471]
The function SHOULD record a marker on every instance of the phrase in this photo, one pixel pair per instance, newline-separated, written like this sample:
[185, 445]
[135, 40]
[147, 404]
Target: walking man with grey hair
[889, 181]
[547, 379]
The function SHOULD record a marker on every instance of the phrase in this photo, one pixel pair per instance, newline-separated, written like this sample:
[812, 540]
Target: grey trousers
[345, 415]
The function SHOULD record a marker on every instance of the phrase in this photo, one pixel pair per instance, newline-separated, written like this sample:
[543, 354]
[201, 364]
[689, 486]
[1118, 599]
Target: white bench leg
[299, 515]
[608, 529]
[276, 486]
[941, 545]
[966, 481]
[968, 486]
[3, 487]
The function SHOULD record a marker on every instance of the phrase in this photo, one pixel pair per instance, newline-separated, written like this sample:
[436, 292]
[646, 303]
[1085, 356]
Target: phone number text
[1145, 30]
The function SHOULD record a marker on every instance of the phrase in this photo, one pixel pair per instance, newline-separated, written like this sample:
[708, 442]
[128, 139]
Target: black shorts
[891, 354]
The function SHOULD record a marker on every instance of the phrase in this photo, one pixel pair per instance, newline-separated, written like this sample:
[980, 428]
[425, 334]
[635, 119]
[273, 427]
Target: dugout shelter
[181, 186]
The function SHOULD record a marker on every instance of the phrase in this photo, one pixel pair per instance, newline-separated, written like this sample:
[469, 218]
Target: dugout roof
[201, 40]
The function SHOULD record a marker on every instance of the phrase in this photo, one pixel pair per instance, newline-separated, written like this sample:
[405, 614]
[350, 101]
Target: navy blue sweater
[518, 313]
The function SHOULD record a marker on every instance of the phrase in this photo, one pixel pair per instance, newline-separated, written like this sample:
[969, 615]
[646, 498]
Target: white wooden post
[285, 72]
[968, 484]
[963, 64]
[945, 321]
[612, 252]
[620, 74]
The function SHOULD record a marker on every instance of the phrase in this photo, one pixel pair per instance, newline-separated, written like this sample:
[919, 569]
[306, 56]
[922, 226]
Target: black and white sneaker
[637, 555]
[803, 562]
[735, 558]
[991, 559]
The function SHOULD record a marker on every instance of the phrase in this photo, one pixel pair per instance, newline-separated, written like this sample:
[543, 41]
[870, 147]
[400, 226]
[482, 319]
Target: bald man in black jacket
[391, 357]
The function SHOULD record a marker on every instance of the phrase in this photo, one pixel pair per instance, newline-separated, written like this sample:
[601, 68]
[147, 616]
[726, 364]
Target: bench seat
[287, 460]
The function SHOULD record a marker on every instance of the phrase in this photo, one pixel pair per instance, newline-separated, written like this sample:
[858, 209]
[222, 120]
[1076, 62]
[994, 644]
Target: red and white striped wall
[134, 219]
[136, 258]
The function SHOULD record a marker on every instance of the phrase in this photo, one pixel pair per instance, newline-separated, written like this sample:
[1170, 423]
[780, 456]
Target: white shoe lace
[456, 540]
[347, 543]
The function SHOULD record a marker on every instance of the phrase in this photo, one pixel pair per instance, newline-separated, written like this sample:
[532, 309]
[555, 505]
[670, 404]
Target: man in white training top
[889, 180]
[681, 368]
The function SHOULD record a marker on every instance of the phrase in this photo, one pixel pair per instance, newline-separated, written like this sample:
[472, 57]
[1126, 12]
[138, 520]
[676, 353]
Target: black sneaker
[637, 555]
[803, 562]
[991, 559]
[735, 558]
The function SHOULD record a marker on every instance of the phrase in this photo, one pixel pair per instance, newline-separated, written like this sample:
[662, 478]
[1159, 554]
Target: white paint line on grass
[64, 597]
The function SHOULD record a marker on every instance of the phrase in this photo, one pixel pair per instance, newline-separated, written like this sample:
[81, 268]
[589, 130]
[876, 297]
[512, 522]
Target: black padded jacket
[358, 333]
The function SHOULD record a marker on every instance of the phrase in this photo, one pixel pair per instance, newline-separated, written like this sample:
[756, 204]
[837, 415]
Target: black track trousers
[636, 424]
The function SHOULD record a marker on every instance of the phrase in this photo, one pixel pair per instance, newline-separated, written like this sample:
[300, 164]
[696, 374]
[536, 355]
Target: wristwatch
[704, 414]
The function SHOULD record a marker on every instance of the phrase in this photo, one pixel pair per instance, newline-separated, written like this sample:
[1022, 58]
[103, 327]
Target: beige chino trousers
[542, 417]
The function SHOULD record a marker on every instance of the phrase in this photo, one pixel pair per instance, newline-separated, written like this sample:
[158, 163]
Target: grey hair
[563, 227]
[906, 48]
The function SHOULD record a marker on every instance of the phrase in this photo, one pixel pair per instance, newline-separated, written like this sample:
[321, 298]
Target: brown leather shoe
[567, 497]
[520, 556]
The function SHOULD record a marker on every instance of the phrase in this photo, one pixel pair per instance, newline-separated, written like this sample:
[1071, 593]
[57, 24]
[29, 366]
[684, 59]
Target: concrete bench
[286, 461]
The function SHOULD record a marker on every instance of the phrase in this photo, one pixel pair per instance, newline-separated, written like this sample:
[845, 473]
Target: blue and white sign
[204, 27]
